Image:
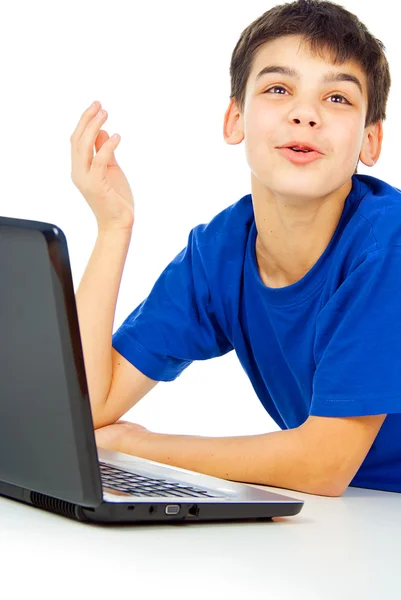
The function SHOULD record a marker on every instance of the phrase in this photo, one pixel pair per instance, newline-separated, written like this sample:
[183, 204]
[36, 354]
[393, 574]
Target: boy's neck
[291, 238]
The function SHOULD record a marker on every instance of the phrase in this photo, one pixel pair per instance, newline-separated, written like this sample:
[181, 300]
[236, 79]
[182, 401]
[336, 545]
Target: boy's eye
[279, 87]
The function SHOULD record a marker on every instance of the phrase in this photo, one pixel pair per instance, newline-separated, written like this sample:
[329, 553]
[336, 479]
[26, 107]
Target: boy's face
[307, 110]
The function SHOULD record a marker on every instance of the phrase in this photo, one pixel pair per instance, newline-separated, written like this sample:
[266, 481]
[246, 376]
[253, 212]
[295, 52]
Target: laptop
[48, 453]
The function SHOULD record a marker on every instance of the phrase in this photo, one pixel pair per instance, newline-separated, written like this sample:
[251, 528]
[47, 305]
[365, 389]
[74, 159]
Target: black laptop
[48, 454]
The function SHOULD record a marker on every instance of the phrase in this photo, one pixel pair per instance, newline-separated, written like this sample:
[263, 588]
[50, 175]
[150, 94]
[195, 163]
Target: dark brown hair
[327, 28]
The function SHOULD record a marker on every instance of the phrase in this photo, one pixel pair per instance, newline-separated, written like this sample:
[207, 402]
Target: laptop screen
[46, 432]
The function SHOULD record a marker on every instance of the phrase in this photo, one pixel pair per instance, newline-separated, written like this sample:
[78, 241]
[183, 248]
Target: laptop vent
[53, 505]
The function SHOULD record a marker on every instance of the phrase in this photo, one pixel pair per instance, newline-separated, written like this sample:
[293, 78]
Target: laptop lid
[44, 409]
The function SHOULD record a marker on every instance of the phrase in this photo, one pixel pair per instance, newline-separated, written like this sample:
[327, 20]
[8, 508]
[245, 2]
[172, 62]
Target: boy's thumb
[101, 139]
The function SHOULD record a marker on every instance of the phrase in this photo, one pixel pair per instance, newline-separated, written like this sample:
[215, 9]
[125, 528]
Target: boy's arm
[104, 186]
[114, 384]
[320, 457]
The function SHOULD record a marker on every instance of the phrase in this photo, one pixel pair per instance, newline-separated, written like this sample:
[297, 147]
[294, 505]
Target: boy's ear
[372, 144]
[233, 129]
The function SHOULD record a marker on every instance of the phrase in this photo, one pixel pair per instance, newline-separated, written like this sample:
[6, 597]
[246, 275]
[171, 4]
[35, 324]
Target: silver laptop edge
[228, 491]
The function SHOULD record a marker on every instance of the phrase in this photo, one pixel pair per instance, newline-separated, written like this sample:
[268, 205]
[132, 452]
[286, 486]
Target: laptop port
[172, 509]
[193, 511]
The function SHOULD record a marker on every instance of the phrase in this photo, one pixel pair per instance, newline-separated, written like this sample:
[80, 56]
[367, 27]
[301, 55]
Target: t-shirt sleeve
[358, 341]
[175, 324]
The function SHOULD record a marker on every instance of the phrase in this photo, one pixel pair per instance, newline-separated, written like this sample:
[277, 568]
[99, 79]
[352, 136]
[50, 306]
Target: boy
[301, 277]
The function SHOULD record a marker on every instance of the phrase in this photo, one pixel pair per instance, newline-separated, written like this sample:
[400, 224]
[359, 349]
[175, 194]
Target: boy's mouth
[300, 157]
[298, 146]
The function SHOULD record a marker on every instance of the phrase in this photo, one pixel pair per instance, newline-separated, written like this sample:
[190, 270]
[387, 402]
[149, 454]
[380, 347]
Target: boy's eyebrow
[330, 77]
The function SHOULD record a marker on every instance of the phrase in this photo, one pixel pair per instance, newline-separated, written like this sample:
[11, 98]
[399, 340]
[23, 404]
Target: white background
[161, 70]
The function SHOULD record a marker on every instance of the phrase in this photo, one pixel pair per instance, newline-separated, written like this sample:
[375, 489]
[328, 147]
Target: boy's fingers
[85, 144]
[82, 147]
[87, 115]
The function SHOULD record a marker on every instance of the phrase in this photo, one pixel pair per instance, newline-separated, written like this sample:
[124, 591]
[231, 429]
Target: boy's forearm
[279, 459]
[96, 299]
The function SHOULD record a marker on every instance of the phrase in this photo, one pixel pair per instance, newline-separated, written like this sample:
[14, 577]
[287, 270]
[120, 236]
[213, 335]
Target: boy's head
[312, 38]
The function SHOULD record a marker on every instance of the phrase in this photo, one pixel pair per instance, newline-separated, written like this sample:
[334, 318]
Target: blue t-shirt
[327, 345]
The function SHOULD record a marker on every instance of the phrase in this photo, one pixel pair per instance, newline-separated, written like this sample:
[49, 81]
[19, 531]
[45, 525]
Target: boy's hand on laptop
[100, 179]
[113, 437]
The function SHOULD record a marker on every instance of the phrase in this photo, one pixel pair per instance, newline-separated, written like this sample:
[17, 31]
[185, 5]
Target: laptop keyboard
[139, 485]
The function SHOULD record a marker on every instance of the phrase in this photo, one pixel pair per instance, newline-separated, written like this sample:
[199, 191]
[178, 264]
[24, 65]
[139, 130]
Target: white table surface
[347, 547]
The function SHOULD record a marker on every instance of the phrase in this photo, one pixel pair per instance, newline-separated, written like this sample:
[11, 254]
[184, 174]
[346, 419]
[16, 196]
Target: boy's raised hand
[100, 179]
